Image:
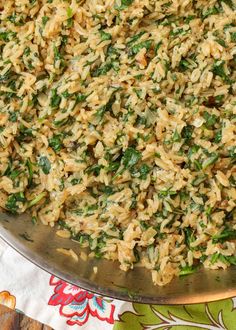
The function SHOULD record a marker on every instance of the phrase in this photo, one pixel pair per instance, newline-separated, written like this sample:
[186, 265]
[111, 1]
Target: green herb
[178, 31]
[233, 36]
[183, 65]
[27, 51]
[105, 36]
[95, 169]
[16, 19]
[221, 42]
[34, 220]
[131, 157]
[64, 40]
[138, 92]
[139, 76]
[80, 98]
[75, 181]
[56, 142]
[166, 192]
[189, 19]
[55, 99]
[144, 171]
[58, 56]
[219, 70]
[135, 38]
[113, 167]
[187, 132]
[232, 154]
[231, 259]
[141, 120]
[176, 136]
[14, 174]
[226, 235]
[45, 164]
[136, 254]
[30, 170]
[197, 165]
[102, 70]
[13, 116]
[108, 190]
[44, 20]
[69, 12]
[189, 236]
[228, 3]
[199, 179]
[12, 201]
[210, 11]
[6, 76]
[157, 47]
[105, 108]
[144, 225]
[210, 161]
[70, 23]
[218, 136]
[210, 119]
[7, 35]
[8, 169]
[37, 199]
[214, 257]
[66, 94]
[63, 224]
[25, 134]
[124, 4]
[187, 270]
[134, 50]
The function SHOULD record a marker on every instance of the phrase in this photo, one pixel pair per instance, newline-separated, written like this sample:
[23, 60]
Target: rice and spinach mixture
[118, 125]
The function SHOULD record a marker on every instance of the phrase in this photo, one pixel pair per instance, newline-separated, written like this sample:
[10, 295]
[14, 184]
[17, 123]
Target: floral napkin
[43, 297]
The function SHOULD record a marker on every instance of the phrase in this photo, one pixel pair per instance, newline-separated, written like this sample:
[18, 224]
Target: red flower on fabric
[78, 304]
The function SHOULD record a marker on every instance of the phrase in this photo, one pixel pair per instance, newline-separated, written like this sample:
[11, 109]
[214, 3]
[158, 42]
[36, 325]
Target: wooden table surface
[11, 320]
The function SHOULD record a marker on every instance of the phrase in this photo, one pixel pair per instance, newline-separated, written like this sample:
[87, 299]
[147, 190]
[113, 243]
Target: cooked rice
[69, 253]
[117, 123]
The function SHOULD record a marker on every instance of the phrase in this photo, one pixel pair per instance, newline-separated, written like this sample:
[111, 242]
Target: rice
[69, 253]
[117, 124]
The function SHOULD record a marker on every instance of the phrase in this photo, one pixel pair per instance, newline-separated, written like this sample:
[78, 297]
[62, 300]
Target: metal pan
[39, 243]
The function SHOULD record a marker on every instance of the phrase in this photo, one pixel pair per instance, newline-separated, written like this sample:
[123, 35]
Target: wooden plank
[11, 320]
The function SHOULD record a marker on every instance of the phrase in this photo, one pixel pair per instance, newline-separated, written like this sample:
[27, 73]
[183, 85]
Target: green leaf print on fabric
[213, 316]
